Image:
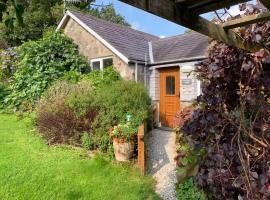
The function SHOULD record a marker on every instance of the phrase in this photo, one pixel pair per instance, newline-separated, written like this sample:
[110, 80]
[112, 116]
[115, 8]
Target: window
[142, 74]
[108, 62]
[96, 65]
[101, 63]
[170, 85]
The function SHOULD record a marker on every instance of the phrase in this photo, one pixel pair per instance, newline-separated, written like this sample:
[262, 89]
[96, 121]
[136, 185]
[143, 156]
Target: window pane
[108, 62]
[170, 85]
[140, 73]
[96, 65]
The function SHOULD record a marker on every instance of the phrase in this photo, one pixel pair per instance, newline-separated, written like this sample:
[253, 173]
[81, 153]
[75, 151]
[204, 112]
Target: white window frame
[100, 60]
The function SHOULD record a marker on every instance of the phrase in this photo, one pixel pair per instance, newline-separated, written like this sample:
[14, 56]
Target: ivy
[40, 64]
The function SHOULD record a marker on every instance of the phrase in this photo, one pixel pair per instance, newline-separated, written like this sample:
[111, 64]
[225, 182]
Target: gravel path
[160, 153]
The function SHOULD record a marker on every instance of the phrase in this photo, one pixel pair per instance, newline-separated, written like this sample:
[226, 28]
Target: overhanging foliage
[232, 121]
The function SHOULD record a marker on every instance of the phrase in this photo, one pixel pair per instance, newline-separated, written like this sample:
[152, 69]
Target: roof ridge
[115, 24]
[180, 35]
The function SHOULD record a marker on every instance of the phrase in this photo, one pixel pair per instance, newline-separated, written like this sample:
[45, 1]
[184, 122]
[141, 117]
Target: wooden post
[141, 155]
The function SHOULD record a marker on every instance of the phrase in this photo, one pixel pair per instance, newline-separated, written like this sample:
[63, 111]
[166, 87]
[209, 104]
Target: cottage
[163, 65]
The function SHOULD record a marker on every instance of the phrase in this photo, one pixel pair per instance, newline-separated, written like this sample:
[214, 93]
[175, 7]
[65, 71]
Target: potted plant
[123, 141]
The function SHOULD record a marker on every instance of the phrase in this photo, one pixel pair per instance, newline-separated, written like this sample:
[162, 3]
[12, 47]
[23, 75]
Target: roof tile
[134, 44]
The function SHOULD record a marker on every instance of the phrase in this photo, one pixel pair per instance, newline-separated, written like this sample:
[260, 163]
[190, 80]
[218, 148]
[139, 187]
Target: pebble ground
[160, 153]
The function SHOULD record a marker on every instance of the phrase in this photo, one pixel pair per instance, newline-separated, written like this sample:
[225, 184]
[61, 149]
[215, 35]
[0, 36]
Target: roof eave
[63, 22]
[182, 60]
[92, 32]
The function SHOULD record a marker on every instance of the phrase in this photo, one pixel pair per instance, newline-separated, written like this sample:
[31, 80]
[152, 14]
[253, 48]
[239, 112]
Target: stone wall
[92, 48]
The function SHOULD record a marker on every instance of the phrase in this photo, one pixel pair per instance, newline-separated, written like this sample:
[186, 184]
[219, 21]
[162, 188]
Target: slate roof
[188, 45]
[134, 44]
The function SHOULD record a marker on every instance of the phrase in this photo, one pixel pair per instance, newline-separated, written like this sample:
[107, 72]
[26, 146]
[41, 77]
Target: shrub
[188, 191]
[3, 92]
[233, 117]
[115, 102]
[99, 79]
[87, 141]
[124, 98]
[183, 116]
[40, 64]
[72, 76]
[8, 59]
[124, 131]
[65, 112]
[78, 113]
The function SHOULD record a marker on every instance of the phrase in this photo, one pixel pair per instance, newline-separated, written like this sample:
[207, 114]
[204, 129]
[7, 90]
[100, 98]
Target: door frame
[165, 70]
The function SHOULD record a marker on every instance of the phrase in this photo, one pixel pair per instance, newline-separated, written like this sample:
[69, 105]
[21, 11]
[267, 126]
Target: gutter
[182, 60]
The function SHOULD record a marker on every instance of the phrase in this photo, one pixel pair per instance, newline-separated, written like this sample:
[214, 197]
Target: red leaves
[233, 119]
[183, 116]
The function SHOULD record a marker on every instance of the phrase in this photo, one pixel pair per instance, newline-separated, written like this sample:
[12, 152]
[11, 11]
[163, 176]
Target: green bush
[188, 191]
[78, 113]
[115, 102]
[72, 76]
[100, 79]
[124, 98]
[3, 92]
[8, 60]
[65, 112]
[40, 64]
[88, 141]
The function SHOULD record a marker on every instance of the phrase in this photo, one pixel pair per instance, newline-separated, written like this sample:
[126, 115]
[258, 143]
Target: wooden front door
[169, 95]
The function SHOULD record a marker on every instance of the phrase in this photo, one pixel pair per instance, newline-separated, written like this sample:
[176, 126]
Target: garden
[62, 125]
[30, 169]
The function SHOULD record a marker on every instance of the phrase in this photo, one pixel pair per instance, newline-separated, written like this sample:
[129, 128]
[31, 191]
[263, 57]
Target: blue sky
[144, 21]
[149, 23]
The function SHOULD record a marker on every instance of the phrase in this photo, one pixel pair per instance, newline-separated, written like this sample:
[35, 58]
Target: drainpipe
[136, 72]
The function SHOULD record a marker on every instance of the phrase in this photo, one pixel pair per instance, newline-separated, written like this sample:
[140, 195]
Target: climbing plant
[40, 64]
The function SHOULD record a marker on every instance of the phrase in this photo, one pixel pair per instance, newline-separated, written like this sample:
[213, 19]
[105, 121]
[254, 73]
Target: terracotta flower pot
[123, 150]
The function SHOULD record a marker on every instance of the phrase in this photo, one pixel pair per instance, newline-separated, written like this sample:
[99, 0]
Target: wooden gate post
[141, 155]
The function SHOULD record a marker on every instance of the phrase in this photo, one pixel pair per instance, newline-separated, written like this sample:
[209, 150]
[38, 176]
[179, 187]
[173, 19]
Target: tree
[38, 16]
[24, 20]
[18, 7]
[108, 13]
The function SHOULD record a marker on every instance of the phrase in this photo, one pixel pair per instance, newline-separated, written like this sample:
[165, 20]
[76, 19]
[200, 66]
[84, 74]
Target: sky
[144, 21]
[149, 23]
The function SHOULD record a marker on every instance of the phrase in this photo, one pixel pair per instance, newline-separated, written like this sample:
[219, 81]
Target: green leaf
[9, 23]
[185, 161]
[3, 7]
[19, 13]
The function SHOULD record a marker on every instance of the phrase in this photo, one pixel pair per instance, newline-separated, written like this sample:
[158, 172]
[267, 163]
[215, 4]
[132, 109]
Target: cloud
[234, 11]
[162, 36]
[135, 25]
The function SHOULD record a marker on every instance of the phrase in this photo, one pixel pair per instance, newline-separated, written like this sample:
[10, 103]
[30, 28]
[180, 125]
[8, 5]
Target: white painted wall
[154, 89]
[189, 84]
[187, 92]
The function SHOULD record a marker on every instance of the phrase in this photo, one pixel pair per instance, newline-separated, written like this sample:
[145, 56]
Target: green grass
[29, 169]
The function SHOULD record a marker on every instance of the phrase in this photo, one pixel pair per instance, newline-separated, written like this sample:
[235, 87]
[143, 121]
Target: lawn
[29, 169]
